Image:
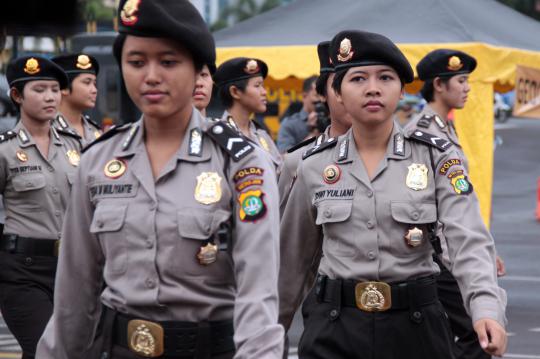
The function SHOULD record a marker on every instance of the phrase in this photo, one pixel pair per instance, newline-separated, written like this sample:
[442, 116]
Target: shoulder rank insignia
[318, 148]
[431, 140]
[109, 134]
[62, 121]
[231, 142]
[399, 144]
[424, 121]
[301, 144]
[195, 142]
[7, 135]
[343, 150]
[23, 136]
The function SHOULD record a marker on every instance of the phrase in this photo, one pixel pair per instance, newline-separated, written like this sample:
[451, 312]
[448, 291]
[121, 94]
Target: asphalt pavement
[514, 227]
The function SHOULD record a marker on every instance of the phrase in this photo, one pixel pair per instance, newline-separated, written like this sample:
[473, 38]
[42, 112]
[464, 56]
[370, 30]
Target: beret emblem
[252, 67]
[454, 63]
[32, 66]
[345, 50]
[128, 15]
[83, 62]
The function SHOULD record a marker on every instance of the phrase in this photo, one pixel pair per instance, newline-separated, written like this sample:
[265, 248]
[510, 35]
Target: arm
[256, 262]
[300, 249]
[286, 178]
[78, 281]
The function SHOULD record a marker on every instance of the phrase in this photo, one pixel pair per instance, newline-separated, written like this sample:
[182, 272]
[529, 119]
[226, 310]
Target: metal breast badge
[417, 177]
[207, 254]
[73, 157]
[414, 237]
[208, 189]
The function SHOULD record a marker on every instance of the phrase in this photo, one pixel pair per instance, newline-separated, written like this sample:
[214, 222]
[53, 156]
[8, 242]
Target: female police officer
[240, 83]
[202, 95]
[370, 200]
[37, 164]
[153, 204]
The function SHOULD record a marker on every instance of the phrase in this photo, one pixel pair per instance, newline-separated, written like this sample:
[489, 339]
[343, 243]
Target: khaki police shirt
[91, 131]
[360, 224]
[141, 236]
[261, 138]
[36, 189]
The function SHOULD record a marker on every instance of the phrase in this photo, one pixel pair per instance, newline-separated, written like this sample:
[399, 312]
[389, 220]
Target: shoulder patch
[230, 141]
[69, 133]
[431, 140]
[106, 135]
[302, 144]
[331, 142]
[4, 136]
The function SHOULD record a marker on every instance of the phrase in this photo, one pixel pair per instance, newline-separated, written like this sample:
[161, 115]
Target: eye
[387, 77]
[136, 63]
[169, 63]
[357, 78]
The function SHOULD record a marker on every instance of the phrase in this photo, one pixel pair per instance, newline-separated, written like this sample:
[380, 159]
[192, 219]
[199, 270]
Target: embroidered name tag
[112, 190]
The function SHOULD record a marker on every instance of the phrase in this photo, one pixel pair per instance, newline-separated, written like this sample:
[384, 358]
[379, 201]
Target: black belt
[13, 243]
[180, 339]
[404, 295]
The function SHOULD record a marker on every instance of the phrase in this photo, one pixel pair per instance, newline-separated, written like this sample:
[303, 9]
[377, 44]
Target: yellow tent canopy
[484, 29]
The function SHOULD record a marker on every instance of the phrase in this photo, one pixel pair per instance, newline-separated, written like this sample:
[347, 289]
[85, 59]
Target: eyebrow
[365, 72]
[141, 53]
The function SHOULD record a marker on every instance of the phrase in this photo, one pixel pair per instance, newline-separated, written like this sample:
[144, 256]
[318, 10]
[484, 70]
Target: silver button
[217, 130]
[415, 215]
[370, 225]
[55, 190]
[328, 213]
[57, 213]
[100, 224]
[371, 255]
[150, 283]
[369, 193]
[50, 169]
[149, 244]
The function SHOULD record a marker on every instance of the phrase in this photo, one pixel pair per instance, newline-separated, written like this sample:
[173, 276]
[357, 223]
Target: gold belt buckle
[373, 296]
[145, 338]
[57, 248]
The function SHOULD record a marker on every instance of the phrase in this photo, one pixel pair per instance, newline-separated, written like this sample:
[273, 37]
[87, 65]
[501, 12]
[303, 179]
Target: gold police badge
[73, 157]
[115, 168]
[208, 188]
[207, 254]
[264, 143]
[128, 15]
[331, 174]
[417, 177]
[414, 237]
[454, 63]
[32, 66]
[252, 67]
[83, 62]
[345, 50]
[22, 156]
[145, 338]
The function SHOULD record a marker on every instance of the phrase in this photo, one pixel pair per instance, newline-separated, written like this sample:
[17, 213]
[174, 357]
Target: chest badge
[208, 188]
[417, 177]
[414, 237]
[22, 156]
[115, 168]
[73, 157]
[207, 254]
[264, 144]
[331, 174]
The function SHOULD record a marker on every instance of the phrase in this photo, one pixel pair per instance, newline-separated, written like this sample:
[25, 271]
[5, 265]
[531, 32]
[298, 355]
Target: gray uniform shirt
[91, 130]
[36, 189]
[360, 224]
[142, 236]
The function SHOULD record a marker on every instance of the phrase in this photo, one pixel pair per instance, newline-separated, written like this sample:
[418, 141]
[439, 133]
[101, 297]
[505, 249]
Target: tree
[242, 10]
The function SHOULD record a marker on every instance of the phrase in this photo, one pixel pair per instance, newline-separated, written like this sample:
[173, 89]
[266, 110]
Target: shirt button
[415, 215]
[150, 283]
[370, 225]
[100, 224]
[55, 190]
[369, 193]
[50, 169]
[57, 213]
[149, 244]
[327, 213]
[371, 255]
[28, 261]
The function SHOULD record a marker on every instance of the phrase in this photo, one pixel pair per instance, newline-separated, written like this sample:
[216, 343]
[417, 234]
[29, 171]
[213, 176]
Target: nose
[93, 89]
[373, 88]
[152, 75]
[263, 91]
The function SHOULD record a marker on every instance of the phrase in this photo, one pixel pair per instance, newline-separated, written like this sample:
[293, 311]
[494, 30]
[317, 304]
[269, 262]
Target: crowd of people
[184, 236]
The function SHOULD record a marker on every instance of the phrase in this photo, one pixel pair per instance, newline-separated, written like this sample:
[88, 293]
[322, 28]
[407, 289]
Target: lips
[154, 96]
[373, 105]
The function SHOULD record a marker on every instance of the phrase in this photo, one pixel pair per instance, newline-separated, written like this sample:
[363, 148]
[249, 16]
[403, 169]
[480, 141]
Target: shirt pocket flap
[413, 212]
[196, 223]
[108, 218]
[28, 182]
[333, 212]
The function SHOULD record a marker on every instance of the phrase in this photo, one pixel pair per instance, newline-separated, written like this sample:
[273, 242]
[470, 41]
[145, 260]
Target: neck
[36, 128]
[372, 137]
[337, 128]
[441, 109]
[240, 116]
[73, 116]
[171, 128]
[203, 112]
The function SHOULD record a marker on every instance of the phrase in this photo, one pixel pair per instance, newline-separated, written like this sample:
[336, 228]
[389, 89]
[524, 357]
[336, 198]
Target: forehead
[371, 69]
[256, 79]
[85, 76]
[43, 83]
[152, 46]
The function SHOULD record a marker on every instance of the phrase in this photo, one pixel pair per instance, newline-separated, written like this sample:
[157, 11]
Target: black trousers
[355, 334]
[467, 345]
[26, 297]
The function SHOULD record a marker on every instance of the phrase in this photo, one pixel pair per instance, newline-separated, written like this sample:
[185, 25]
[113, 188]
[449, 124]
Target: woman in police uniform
[203, 90]
[170, 216]
[37, 164]
[240, 83]
[370, 200]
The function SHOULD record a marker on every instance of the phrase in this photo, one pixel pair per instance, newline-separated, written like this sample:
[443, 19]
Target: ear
[437, 85]
[65, 92]
[338, 97]
[402, 94]
[234, 92]
[16, 95]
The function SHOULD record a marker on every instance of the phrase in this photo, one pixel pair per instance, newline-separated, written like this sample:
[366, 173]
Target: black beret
[239, 68]
[351, 48]
[178, 20]
[445, 63]
[323, 50]
[74, 64]
[33, 68]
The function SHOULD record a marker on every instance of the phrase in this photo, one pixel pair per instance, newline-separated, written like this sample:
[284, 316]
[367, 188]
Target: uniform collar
[26, 140]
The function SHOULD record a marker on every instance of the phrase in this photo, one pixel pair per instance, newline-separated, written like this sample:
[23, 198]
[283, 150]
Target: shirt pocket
[107, 225]
[195, 227]
[28, 182]
[334, 217]
[410, 214]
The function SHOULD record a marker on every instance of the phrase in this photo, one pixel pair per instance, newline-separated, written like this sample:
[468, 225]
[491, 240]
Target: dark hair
[306, 87]
[427, 89]
[225, 95]
[119, 44]
[19, 86]
[338, 79]
[320, 85]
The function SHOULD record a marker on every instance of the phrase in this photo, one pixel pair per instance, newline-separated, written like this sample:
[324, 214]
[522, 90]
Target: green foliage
[242, 10]
[94, 10]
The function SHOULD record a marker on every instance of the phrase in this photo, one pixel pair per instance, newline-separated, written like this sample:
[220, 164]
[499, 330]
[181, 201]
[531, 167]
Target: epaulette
[302, 144]
[92, 122]
[228, 139]
[4, 136]
[62, 131]
[424, 121]
[106, 135]
[431, 140]
[331, 142]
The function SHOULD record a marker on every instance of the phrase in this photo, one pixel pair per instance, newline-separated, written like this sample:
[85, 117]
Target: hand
[501, 268]
[492, 336]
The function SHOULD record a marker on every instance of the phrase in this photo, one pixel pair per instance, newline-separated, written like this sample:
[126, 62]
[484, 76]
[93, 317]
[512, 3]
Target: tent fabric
[497, 36]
